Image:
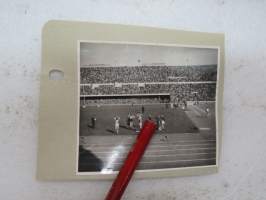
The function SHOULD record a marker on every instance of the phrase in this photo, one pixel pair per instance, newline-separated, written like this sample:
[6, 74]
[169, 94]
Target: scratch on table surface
[239, 67]
[251, 105]
[221, 2]
[7, 110]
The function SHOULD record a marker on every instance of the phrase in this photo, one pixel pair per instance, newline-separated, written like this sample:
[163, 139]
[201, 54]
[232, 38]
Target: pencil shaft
[132, 160]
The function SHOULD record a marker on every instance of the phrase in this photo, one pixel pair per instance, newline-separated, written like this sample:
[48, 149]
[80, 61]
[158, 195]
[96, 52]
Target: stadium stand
[134, 74]
[190, 83]
[118, 100]
[189, 92]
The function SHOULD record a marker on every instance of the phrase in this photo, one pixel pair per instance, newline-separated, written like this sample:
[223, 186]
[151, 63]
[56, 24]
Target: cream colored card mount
[100, 82]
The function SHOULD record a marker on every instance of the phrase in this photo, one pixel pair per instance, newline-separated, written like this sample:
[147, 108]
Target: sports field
[176, 119]
[188, 139]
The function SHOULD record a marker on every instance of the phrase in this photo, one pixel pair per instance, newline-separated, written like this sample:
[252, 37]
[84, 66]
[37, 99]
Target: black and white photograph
[123, 84]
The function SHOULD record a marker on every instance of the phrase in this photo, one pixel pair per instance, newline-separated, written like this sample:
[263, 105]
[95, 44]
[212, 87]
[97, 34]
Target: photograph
[123, 84]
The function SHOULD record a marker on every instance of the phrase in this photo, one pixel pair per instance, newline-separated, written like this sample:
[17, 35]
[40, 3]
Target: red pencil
[133, 158]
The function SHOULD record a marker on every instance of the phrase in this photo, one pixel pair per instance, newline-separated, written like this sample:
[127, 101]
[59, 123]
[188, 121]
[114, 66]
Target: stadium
[116, 99]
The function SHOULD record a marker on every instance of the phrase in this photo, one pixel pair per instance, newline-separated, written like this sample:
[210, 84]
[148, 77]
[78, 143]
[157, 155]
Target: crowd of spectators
[132, 74]
[116, 100]
[188, 92]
